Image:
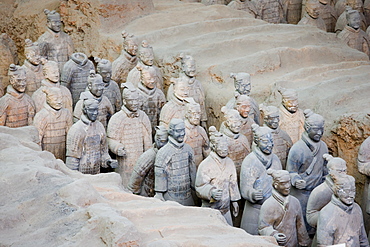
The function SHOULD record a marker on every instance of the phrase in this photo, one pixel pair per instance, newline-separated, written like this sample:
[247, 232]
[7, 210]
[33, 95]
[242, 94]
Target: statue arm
[113, 134]
[103, 146]
[69, 121]
[247, 178]
[363, 159]
[203, 184]
[364, 242]
[233, 186]
[147, 132]
[31, 110]
[160, 165]
[3, 110]
[75, 139]
[293, 164]
[266, 220]
[143, 165]
[78, 111]
[68, 100]
[192, 168]
[40, 122]
[205, 148]
[66, 75]
[303, 238]
[325, 233]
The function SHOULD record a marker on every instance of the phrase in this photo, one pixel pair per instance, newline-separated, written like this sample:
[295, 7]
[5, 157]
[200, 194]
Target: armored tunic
[339, 223]
[53, 126]
[283, 215]
[253, 178]
[39, 96]
[175, 172]
[113, 93]
[308, 20]
[122, 66]
[292, 123]
[356, 39]
[86, 141]
[56, 47]
[152, 101]
[247, 6]
[329, 15]
[270, 10]
[16, 109]
[175, 108]
[142, 177]
[239, 147]
[105, 109]
[196, 137]
[254, 112]
[292, 9]
[217, 173]
[132, 132]
[74, 75]
[34, 76]
[134, 76]
[282, 145]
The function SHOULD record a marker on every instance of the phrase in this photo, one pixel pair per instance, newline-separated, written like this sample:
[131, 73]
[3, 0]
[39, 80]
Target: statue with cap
[87, 148]
[129, 132]
[17, 109]
[255, 183]
[311, 15]
[55, 44]
[53, 123]
[343, 7]
[95, 88]
[142, 177]
[243, 104]
[281, 214]
[111, 88]
[216, 181]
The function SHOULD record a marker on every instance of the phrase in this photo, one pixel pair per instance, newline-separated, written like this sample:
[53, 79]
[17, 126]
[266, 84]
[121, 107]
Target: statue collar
[228, 132]
[273, 131]
[48, 83]
[129, 57]
[129, 113]
[352, 30]
[266, 159]
[190, 80]
[54, 34]
[56, 113]
[188, 125]
[282, 200]
[175, 143]
[85, 120]
[177, 100]
[337, 202]
[89, 95]
[313, 146]
[34, 68]
[220, 161]
[286, 112]
[78, 61]
[10, 90]
[146, 90]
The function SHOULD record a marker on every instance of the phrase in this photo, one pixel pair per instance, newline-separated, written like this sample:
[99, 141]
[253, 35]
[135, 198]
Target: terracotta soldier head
[32, 52]
[161, 136]
[54, 97]
[188, 65]
[51, 71]
[193, 112]
[95, 84]
[353, 18]
[289, 99]
[313, 125]
[90, 109]
[345, 189]
[262, 138]
[242, 82]
[270, 116]
[130, 97]
[130, 43]
[313, 8]
[233, 120]
[146, 54]
[53, 20]
[218, 142]
[17, 78]
[147, 76]
[180, 88]
[281, 181]
[243, 104]
[336, 166]
[176, 130]
[104, 68]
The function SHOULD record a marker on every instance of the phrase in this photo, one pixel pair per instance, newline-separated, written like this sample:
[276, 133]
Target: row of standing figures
[243, 166]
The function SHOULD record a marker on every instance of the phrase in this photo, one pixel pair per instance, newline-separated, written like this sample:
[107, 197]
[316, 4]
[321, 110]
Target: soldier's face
[222, 148]
[315, 132]
[272, 121]
[132, 103]
[178, 132]
[244, 109]
[354, 21]
[243, 86]
[92, 112]
[55, 101]
[347, 194]
[283, 185]
[161, 140]
[148, 79]
[52, 74]
[106, 74]
[131, 48]
[291, 105]
[313, 10]
[33, 57]
[18, 81]
[234, 124]
[265, 144]
[189, 68]
[96, 88]
[147, 58]
[193, 116]
[55, 25]
[339, 169]
[181, 89]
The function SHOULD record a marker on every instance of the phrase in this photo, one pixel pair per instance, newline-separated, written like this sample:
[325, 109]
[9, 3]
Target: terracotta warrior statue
[55, 44]
[347, 5]
[152, 99]
[363, 165]
[270, 10]
[174, 167]
[53, 123]
[129, 132]
[9, 55]
[111, 88]
[305, 163]
[341, 221]
[51, 74]
[352, 34]
[195, 135]
[87, 148]
[216, 182]
[17, 109]
[196, 91]
[75, 73]
[142, 177]
[95, 88]
[291, 117]
[281, 214]
[33, 66]
[292, 10]
[243, 105]
[175, 107]
[239, 146]
[246, 5]
[146, 58]
[322, 194]
[282, 141]
[242, 83]
[255, 183]
[328, 14]
[127, 60]
[311, 16]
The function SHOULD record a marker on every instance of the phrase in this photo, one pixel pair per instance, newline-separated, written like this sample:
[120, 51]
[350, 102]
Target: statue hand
[280, 238]
[112, 163]
[300, 184]
[121, 152]
[217, 194]
[159, 196]
[257, 195]
[235, 208]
